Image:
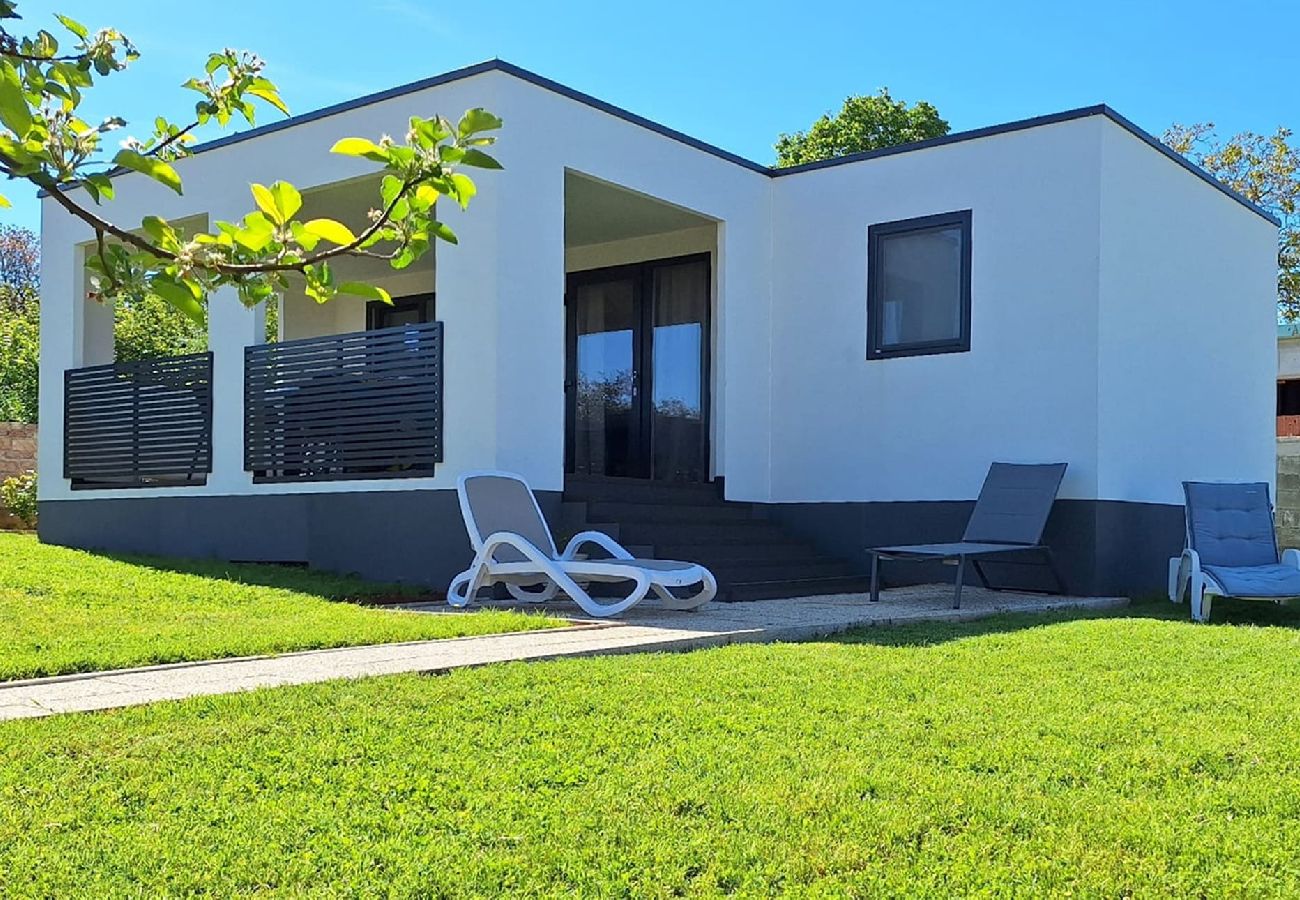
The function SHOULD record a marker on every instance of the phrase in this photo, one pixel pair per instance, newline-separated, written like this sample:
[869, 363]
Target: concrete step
[788, 570]
[728, 554]
[740, 592]
[639, 490]
[687, 513]
[755, 533]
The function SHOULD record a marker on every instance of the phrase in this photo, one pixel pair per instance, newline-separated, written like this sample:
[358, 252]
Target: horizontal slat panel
[136, 423]
[363, 405]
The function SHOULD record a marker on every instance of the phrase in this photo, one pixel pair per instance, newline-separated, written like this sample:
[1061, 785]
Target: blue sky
[729, 73]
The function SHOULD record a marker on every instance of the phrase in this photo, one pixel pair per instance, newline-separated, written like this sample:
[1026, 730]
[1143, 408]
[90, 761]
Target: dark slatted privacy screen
[138, 424]
[363, 405]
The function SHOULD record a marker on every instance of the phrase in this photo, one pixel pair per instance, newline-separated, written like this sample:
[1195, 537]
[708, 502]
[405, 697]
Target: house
[842, 348]
[1288, 434]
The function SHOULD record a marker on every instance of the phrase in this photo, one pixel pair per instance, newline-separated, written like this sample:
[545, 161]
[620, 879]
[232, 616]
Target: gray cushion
[1230, 524]
[1014, 503]
[939, 551]
[501, 503]
[1274, 580]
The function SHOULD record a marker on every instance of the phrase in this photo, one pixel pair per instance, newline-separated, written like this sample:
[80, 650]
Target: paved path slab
[645, 628]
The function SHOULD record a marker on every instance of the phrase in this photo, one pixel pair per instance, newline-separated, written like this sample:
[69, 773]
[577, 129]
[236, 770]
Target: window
[412, 310]
[918, 286]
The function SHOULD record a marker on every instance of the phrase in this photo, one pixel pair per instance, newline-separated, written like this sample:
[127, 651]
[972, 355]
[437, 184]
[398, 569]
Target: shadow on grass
[1226, 613]
[293, 577]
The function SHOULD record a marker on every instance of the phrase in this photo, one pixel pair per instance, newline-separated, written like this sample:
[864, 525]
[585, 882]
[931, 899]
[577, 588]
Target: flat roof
[500, 65]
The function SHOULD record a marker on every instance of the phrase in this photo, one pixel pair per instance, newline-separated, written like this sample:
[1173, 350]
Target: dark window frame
[876, 349]
[425, 303]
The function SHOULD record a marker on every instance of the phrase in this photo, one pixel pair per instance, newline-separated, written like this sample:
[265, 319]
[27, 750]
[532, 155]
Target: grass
[67, 611]
[1102, 756]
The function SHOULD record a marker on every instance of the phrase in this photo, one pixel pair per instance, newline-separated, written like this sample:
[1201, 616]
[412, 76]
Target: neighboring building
[848, 344]
[1288, 434]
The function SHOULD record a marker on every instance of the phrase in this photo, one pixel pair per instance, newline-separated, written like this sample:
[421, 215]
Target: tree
[1264, 169]
[865, 122]
[20, 259]
[20, 315]
[44, 142]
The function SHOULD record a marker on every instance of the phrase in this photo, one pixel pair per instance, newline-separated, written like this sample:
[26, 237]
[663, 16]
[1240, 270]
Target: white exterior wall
[1097, 266]
[500, 291]
[1188, 336]
[926, 427]
[216, 182]
[563, 134]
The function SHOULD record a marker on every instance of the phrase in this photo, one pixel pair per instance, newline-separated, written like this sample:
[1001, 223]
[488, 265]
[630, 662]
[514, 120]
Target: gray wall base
[415, 537]
[1103, 547]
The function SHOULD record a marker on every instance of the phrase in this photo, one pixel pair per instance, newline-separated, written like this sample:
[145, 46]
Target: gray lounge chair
[1009, 517]
[1231, 548]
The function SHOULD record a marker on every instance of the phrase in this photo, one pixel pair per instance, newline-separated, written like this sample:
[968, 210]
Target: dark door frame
[642, 437]
[424, 304]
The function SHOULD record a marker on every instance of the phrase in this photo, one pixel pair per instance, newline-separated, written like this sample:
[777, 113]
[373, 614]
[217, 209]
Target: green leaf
[180, 296]
[330, 230]
[4, 202]
[266, 202]
[425, 196]
[146, 165]
[287, 199]
[429, 131]
[73, 25]
[464, 188]
[389, 187]
[265, 90]
[369, 291]
[442, 232]
[476, 120]
[100, 185]
[360, 147]
[14, 111]
[256, 233]
[305, 238]
[479, 159]
[162, 233]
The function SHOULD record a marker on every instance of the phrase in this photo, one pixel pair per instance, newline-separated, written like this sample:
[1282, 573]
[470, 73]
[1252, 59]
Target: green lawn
[68, 611]
[1103, 756]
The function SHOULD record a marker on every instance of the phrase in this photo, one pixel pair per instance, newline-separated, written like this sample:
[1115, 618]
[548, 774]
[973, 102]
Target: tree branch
[354, 247]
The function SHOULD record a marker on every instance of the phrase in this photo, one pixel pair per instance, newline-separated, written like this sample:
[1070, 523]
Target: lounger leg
[1200, 601]
[875, 578]
[979, 570]
[956, 594]
[708, 590]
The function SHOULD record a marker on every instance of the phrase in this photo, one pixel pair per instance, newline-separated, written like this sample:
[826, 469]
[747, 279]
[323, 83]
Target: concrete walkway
[643, 629]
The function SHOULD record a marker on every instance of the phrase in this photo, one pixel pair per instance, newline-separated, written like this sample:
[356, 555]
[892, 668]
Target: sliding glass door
[637, 374]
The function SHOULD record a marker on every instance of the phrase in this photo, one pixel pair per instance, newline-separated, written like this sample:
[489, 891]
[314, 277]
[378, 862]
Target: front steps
[752, 557]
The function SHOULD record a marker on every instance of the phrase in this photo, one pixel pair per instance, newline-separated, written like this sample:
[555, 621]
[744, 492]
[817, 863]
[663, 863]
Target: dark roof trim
[1156, 144]
[492, 65]
[1036, 122]
[499, 65]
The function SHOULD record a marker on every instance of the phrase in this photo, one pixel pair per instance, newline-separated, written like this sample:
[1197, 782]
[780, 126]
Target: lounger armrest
[1291, 558]
[611, 546]
[1189, 571]
[499, 539]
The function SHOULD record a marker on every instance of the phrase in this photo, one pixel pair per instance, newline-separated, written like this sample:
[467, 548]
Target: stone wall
[17, 455]
[1288, 492]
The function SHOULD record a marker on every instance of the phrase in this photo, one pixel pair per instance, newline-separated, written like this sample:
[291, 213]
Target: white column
[231, 328]
[530, 324]
[75, 332]
[466, 279]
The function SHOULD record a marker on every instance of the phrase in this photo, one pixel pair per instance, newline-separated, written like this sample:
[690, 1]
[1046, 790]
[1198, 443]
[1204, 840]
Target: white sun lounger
[513, 546]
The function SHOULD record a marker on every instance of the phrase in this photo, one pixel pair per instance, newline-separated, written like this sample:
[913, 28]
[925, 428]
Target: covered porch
[353, 390]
